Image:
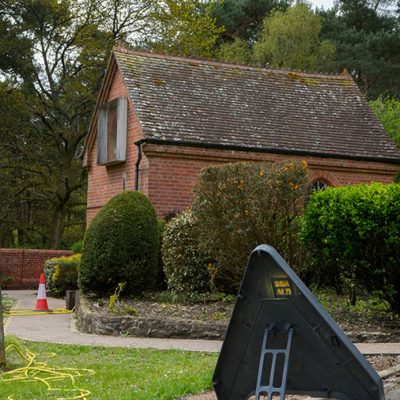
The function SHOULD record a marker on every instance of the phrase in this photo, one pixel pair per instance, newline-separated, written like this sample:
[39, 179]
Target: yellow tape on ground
[35, 371]
[21, 312]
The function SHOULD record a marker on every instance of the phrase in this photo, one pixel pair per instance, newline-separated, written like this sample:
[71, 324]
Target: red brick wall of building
[106, 181]
[173, 171]
[24, 266]
[168, 173]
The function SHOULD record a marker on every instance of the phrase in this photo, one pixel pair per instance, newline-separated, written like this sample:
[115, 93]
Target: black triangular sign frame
[323, 362]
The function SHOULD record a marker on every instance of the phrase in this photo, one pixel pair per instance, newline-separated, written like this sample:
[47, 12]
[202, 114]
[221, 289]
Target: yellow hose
[35, 371]
[23, 312]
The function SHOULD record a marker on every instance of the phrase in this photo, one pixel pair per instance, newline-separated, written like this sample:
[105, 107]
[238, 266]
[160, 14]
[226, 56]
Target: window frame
[315, 186]
[103, 133]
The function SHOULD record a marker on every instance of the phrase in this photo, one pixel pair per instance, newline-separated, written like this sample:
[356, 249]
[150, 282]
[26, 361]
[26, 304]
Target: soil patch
[207, 311]
[365, 326]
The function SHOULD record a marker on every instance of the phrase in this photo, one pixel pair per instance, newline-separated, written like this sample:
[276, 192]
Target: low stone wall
[115, 325]
[101, 323]
[24, 266]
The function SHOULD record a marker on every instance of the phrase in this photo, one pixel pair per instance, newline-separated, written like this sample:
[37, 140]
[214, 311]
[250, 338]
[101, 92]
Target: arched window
[315, 186]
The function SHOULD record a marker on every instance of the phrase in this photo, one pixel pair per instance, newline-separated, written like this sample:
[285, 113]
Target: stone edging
[116, 325]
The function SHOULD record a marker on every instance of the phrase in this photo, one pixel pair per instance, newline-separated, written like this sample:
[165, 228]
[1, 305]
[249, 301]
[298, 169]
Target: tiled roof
[182, 100]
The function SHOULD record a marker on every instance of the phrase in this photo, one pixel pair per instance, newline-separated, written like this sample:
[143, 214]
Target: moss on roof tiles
[252, 107]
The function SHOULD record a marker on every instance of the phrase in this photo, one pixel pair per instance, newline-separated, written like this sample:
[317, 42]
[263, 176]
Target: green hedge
[353, 234]
[185, 265]
[121, 245]
[61, 274]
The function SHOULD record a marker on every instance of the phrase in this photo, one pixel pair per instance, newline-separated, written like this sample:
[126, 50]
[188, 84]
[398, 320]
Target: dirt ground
[380, 363]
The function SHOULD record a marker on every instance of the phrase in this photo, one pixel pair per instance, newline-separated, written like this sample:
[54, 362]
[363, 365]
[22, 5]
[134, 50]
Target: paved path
[61, 329]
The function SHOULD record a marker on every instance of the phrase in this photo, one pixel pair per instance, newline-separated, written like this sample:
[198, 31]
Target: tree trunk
[58, 229]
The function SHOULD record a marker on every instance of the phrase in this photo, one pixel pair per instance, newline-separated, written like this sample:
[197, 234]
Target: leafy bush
[5, 279]
[48, 272]
[185, 265]
[61, 274]
[121, 245]
[161, 280]
[77, 247]
[353, 233]
[242, 205]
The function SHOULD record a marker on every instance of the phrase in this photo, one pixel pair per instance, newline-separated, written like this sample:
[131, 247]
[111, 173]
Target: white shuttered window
[111, 132]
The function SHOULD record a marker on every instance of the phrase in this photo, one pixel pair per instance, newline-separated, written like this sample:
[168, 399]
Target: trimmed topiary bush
[185, 265]
[61, 274]
[353, 234]
[121, 245]
[242, 205]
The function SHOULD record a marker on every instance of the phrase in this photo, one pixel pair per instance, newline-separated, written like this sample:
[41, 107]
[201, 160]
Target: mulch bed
[379, 327]
[207, 311]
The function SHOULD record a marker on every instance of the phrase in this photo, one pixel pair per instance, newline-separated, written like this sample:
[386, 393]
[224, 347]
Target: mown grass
[120, 373]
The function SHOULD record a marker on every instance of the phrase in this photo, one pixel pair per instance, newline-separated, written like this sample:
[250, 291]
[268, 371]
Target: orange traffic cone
[41, 302]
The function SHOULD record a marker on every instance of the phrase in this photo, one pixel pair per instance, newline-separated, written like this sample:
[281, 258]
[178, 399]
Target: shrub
[121, 245]
[242, 205]
[77, 247]
[353, 233]
[185, 265]
[161, 280]
[61, 274]
[5, 279]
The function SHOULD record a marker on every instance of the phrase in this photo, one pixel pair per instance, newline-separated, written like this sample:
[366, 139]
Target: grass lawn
[120, 373]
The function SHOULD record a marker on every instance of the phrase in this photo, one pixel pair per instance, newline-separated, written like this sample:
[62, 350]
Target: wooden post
[70, 299]
[2, 341]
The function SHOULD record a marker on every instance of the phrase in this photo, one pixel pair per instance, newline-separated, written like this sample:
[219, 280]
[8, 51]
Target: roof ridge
[151, 54]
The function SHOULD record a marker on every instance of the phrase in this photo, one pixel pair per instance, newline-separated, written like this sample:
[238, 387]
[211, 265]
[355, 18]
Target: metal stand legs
[267, 390]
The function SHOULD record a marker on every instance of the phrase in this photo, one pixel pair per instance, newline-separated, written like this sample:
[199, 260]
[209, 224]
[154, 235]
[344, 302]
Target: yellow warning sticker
[282, 287]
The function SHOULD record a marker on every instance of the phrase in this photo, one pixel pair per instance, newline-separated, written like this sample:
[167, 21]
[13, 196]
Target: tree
[368, 44]
[22, 210]
[290, 39]
[126, 21]
[184, 27]
[236, 51]
[51, 87]
[58, 93]
[242, 19]
[388, 112]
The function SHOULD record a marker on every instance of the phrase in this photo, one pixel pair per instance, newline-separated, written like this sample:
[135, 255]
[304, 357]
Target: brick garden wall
[25, 265]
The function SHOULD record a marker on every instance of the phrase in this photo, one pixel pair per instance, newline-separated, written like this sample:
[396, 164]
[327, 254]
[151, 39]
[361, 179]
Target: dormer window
[112, 129]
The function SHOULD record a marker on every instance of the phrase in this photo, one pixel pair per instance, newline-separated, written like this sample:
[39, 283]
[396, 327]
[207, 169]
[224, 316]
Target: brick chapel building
[160, 119]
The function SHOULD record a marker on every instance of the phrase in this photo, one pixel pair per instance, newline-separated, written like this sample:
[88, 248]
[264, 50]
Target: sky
[322, 3]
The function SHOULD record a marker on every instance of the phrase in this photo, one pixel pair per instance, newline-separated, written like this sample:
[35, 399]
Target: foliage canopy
[290, 40]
